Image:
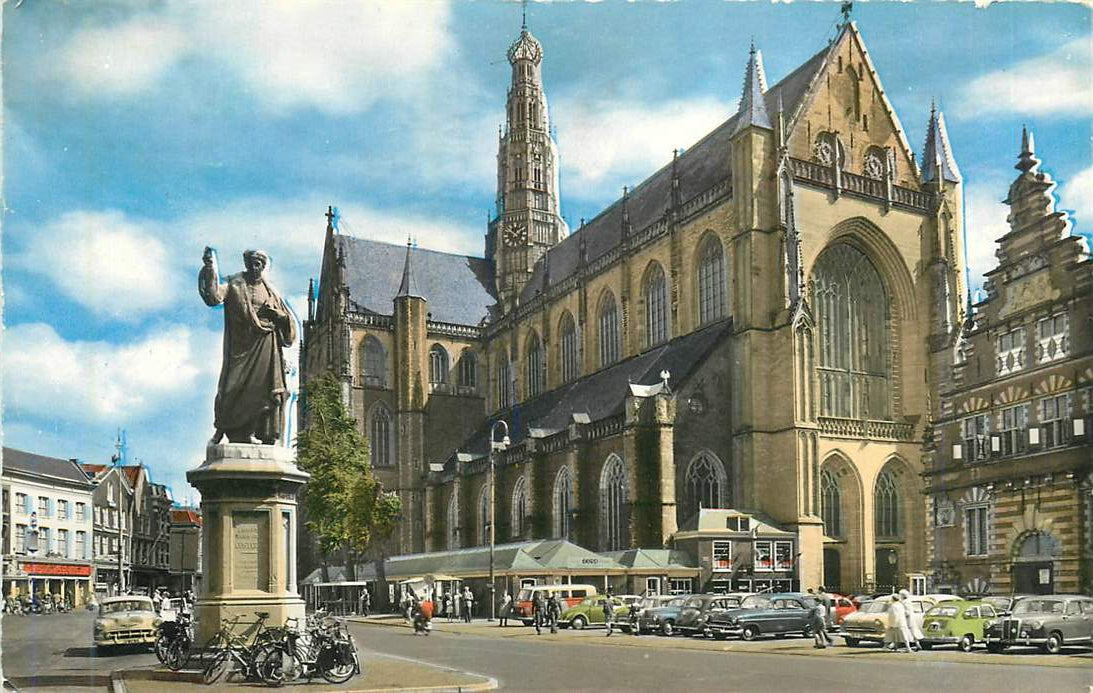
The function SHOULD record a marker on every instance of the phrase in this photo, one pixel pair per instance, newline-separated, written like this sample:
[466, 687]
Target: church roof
[602, 394]
[40, 465]
[458, 288]
[698, 168]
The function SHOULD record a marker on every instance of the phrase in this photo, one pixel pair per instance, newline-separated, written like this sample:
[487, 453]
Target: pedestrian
[914, 631]
[468, 604]
[457, 600]
[554, 612]
[897, 632]
[503, 612]
[609, 612]
[449, 607]
[366, 602]
[818, 622]
[538, 612]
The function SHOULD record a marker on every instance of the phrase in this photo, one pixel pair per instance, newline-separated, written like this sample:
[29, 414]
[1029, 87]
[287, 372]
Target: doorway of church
[887, 567]
[832, 569]
[1034, 577]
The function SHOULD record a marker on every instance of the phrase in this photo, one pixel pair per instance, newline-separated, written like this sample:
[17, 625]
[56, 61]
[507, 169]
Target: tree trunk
[382, 600]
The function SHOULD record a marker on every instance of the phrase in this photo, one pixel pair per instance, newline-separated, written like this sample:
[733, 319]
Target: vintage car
[868, 623]
[590, 612]
[700, 607]
[1048, 621]
[662, 619]
[764, 614]
[127, 620]
[643, 606]
[960, 623]
[568, 596]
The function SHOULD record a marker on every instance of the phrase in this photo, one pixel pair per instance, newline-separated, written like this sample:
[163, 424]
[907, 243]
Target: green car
[960, 623]
[590, 613]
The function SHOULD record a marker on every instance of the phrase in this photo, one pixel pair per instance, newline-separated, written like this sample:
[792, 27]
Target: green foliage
[346, 506]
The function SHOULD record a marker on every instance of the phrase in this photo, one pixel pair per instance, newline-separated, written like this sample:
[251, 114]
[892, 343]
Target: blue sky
[136, 133]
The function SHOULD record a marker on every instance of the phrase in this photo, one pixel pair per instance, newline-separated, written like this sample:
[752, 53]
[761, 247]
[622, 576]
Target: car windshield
[755, 601]
[678, 601]
[998, 602]
[695, 602]
[524, 595]
[948, 611]
[1038, 606]
[126, 605]
[875, 607]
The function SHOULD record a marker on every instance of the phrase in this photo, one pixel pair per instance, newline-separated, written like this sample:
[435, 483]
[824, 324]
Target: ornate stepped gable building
[1010, 462]
[755, 326]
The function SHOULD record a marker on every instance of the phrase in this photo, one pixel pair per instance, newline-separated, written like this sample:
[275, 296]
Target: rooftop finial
[408, 287]
[524, 15]
[846, 9]
[1027, 160]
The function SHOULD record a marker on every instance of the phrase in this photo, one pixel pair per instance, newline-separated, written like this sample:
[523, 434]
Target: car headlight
[877, 623]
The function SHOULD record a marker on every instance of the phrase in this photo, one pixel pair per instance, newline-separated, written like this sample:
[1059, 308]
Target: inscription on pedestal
[250, 550]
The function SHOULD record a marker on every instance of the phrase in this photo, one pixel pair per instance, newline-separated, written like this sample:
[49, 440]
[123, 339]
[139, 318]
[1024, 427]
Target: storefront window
[783, 555]
[722, 555]
[763, 558]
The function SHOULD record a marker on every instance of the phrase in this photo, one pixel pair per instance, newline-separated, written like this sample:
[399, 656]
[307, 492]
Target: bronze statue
[250, 398]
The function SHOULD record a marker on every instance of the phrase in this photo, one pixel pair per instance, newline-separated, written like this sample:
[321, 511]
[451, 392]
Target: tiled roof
[699, 168]
[93, 470]
[457, 288]
[31, 463]
[185, 516]
[602, 394]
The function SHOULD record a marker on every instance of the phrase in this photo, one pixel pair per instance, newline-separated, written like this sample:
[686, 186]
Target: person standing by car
[468, 604]
[818, 622]
[897, 631]
[554, 612]
[538, 611]
[505, 608]
[609, 612]
[914, 633]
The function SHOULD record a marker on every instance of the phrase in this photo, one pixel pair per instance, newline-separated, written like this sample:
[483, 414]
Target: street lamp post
[495, 445]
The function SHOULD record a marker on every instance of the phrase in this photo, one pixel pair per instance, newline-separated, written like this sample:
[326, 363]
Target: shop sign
[57, 569]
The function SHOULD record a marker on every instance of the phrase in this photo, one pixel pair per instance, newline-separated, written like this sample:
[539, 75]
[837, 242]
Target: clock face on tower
[515, 235]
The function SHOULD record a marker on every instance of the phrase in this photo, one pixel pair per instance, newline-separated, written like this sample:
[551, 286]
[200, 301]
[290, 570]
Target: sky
[136, 133]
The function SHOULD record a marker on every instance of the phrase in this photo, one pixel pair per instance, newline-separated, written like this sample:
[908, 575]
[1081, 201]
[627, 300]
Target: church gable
[847, 114]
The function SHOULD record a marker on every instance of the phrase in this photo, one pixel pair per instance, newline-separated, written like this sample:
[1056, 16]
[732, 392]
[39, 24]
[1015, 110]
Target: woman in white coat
[913, 628]
[897, 632]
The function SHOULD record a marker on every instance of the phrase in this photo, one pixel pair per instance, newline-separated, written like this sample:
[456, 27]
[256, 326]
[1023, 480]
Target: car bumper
[868, 635]
[940, 640]
[1016, 641]
[140, 637]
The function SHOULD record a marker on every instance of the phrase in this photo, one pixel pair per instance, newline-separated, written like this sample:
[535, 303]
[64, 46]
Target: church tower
[527, 221]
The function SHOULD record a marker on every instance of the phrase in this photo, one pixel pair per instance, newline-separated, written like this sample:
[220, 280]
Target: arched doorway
[1034, 564]
[887, 567]
[833, 578]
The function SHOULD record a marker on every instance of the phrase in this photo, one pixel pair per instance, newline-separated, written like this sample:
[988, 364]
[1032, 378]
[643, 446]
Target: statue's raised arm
[208, 279]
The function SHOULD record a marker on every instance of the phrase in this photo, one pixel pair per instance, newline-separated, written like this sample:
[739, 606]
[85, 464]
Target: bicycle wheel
[163, 643]
[216, 667]
[336, 672]
[275, 666]
[178, 654]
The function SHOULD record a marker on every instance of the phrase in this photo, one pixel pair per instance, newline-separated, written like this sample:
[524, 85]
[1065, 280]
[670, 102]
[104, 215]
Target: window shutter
[86, 549]
[51, 507]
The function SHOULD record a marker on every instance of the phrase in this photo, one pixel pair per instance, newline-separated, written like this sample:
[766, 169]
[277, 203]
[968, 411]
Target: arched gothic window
[519, 508]
[711, 281]
[886, 505]
[438, 364]
[468, 369]
[373, 363]
[609, 330]
[484, 516]
[851, 308]
[705, 484]
[571, 349]
[534, 366]
[831, 504]
[453, 521]
[655, 291]
[504, 382]
[614, 506]
[381, 436]
[563, 503]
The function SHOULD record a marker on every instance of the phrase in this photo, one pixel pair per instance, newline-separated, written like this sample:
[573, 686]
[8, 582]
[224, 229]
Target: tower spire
[1027, 160]
[938, 163]
[753, 110]
[408, 287]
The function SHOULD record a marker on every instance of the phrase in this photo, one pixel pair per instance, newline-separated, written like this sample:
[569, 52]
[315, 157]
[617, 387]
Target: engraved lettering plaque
[250, 551]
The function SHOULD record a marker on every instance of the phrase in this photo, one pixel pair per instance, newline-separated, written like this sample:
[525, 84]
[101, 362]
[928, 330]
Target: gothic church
[756, 326]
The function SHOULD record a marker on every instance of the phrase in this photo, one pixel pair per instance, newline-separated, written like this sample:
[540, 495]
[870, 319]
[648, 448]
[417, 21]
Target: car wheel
[966, 643]
[578, 623]
[668, 629]
[851, 642]
[750, 632]
[1054, 644]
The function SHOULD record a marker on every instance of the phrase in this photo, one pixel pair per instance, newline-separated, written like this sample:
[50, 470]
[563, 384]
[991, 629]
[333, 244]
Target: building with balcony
[47, 527]
[1009, 464]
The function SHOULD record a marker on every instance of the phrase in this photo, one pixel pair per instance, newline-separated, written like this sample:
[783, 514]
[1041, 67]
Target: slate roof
[699, 169]
[31, 463]
[937, 147]
[457, 288]
[603, 393]
[653, 558]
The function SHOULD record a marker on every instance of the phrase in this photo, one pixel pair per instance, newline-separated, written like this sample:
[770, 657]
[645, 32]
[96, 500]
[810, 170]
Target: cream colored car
[126, 620]
[868, 623]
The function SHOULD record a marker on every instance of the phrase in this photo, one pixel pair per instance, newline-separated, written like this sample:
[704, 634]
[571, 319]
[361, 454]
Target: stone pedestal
[248, 539]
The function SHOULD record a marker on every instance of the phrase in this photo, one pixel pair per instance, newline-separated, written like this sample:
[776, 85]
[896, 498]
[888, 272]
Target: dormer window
[1052, 341]
[1011, 351]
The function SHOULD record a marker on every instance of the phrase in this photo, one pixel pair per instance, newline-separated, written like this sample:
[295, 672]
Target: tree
[347, 508]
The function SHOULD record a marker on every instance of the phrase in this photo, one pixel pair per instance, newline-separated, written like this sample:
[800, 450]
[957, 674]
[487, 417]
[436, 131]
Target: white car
[870, 621]
[128, 620]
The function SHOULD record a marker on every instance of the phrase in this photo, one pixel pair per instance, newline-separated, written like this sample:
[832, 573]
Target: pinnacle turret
[753, 110]
[1027, 160]
[937, 154]
[408, 286]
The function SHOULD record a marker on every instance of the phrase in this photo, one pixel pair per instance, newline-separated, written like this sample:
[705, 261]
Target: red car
[843, 607]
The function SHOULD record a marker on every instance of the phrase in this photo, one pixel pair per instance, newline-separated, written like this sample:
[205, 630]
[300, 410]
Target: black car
[699, 607]
[765, 614]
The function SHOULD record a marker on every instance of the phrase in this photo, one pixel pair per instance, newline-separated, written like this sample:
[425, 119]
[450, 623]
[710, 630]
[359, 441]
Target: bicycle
[226, 647]
[322, 649]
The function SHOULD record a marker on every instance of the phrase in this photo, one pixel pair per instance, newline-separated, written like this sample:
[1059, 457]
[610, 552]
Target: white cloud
[335, 57]
[1057, 84]
[605, 142]
[113, 265]
[124, 59]
[48, 376]
[1076, 194]
[985, 222]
